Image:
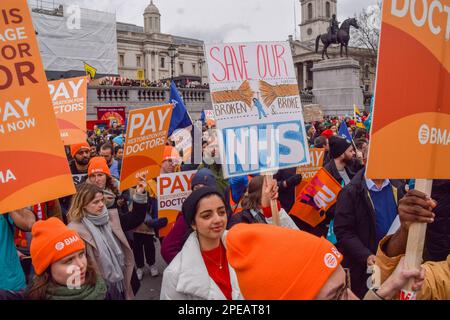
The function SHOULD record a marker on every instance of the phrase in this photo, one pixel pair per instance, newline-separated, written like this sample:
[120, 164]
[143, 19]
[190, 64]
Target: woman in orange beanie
[256, 204]
[62, 270]
[99, 175]
[201, 271]
[103, 232]
[274, 263]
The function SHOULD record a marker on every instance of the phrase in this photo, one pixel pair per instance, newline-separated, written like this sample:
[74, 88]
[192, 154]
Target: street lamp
[172, 54]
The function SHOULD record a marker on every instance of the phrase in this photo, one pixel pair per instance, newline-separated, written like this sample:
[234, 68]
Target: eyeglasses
[342, 294]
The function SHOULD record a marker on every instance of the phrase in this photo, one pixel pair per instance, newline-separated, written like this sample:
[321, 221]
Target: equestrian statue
[336, 35]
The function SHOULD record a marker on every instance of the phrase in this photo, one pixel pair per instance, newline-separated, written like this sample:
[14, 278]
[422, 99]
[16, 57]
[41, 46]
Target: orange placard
[173, 189]
[410, 135]
[144, 145]
[308, 172]
[69, 98]
[317, 156]
[33, 165]
[319, 194]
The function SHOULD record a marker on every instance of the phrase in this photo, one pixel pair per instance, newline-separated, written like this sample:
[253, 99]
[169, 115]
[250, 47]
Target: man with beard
[81, 154]
[343, 164]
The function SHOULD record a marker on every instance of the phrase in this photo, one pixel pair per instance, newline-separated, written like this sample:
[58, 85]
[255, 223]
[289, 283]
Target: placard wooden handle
[416, 241]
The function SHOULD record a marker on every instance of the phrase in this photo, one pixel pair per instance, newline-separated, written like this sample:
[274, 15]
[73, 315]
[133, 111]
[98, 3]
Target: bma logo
[429, 135]
[424, 134]
[330, 261]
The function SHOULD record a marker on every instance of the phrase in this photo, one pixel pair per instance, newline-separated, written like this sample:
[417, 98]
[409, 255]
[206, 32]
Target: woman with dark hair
[256, 204]
[63, 271]
[200, 271]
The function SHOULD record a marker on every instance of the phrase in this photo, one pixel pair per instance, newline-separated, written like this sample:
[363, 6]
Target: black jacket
[244, 217]
[285, 195]
[350, 169]
[355, 229]
[437, 241]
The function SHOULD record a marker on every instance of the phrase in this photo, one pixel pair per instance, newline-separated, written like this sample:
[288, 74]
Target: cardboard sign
[257, 107]
[173, 189]
[313, 112]
[33, 164]
[316, 198]
[69, 98]
[144, 145]
[412, 99]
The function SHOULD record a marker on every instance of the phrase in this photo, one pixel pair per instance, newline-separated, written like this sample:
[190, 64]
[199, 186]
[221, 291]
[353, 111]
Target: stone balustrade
[196, 100]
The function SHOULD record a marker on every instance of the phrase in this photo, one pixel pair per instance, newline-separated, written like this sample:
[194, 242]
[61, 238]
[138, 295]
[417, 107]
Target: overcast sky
[220, 20]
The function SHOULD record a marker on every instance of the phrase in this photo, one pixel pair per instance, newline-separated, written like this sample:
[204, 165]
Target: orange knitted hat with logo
[51, 242]
[74, 148]
[170, 153]
[98, 165]
[275, 263]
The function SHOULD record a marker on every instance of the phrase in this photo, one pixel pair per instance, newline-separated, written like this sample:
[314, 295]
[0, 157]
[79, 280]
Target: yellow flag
[140, 74]
[356, 111]
[358, 117]
[90, 70]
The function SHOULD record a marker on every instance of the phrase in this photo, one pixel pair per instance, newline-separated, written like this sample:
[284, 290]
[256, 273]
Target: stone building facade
[146, 48]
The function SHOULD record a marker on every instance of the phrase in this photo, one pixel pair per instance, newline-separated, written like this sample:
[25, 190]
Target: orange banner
[317, 156]
[173, 189]
[316, 198]
[33, 165]
[412, 100]
[144, 144]
[69, 98]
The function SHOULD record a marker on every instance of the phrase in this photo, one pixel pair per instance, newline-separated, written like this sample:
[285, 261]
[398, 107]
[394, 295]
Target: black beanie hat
[338, 146]
[190, 204]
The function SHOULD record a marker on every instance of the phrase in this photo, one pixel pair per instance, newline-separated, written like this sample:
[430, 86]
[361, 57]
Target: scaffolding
[47, 7]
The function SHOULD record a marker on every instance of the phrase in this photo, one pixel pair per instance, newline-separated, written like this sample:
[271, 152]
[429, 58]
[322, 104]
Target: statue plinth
[337, 86]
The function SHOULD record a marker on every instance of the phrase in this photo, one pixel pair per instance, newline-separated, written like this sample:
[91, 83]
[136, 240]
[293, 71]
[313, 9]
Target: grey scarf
[112, 259]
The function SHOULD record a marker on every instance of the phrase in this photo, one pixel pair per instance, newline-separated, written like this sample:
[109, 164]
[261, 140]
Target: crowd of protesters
[126, 82]
[223, 244]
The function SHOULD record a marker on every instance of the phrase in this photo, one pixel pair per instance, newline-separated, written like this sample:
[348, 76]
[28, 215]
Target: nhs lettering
[257, 107]
[257, 148]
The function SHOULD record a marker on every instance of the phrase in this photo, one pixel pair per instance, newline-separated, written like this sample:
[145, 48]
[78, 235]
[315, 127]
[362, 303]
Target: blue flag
[180, 116]
[343, 131]
[203, 117]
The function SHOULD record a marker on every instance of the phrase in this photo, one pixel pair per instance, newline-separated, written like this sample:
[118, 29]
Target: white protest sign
[172, 190]
[257, 107]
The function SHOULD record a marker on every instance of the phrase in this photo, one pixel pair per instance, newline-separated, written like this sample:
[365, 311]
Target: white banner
[257, 107]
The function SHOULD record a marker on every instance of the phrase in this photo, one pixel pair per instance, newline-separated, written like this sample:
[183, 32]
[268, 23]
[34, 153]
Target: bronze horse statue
[343, 37]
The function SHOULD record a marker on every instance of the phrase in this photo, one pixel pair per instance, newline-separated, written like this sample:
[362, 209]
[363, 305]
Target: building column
[148, 65]
[157, 65]
[305, 74]
[299, 71]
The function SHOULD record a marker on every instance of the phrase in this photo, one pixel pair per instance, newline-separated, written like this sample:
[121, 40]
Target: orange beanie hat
[275, 263]
[74, 148]
[98, 165]
[170, 153]
[51, 242]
